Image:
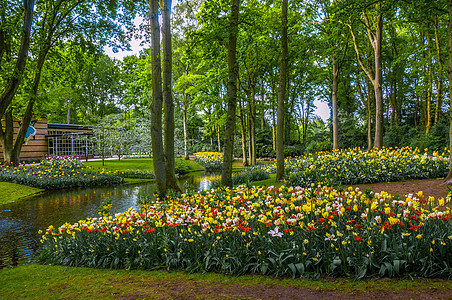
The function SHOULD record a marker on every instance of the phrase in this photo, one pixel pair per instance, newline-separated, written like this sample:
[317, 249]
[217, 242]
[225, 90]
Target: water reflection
[21, 220]
[201, 180]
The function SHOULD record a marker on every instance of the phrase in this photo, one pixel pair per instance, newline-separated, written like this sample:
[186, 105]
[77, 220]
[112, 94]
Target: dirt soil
[194, 289]
[429, 187]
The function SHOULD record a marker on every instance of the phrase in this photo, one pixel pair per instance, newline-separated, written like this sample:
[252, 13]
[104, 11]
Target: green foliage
[405, 135]
[182, 166]
[292, 151]
[105, 207]
[143, 174]
[246, 176]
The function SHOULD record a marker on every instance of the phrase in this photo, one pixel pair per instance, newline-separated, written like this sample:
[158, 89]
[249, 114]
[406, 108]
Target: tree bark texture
[438, 111]
[243, 134]
[186, 157]
[334, 103]
[428, 115]
[281, 96]
[157, 102]
[7, 136]
[378, 140]
[185, 120]
[448, 179]
[171, 182]
[233, 71]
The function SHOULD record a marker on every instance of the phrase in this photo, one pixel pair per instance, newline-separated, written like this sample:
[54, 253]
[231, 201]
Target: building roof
[69, 126]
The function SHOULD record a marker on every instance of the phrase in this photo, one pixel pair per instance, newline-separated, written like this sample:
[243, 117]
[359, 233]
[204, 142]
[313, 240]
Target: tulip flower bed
[355, 166]
[56, 176]
[211, 161]
[67, 161]
[274, 231]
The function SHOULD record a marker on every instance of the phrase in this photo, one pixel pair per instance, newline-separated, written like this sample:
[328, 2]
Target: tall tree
[373, 25]
[171, 181]
[157, 101]
[281, 95]
[59, 20]
[226, 174]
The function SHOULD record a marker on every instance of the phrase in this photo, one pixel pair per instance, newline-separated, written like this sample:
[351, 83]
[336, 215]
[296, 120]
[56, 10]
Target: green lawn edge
[268, 182]
[10, 192]
[142, 164]
[56, 282]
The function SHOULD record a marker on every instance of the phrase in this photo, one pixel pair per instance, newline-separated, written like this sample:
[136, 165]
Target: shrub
[143, 174]
[245, 177]
[182, 166]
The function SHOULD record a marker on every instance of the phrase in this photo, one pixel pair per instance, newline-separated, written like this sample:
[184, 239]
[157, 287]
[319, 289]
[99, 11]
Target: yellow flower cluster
[209, 160]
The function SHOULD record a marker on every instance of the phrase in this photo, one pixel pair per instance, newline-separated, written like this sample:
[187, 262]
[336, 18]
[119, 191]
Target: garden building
[44, 138]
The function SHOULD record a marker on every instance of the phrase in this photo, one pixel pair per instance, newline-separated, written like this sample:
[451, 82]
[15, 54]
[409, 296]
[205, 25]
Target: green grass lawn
[10, 192]
[143, 164]
[194, 166]
[268, 182]
[57, 282]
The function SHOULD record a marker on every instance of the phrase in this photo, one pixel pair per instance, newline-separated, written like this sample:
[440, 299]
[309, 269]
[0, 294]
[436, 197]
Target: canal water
[20, 221]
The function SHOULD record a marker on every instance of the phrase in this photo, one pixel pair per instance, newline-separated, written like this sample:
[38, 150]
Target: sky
[321, 110]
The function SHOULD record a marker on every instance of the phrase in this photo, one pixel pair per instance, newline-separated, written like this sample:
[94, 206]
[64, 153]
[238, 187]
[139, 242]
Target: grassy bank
[142, 164]
[10, 192]
[55, 282]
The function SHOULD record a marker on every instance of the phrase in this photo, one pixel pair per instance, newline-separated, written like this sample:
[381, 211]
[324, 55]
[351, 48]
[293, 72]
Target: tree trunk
[218, 138]
[69, 111]
[243, 134]
[273, 129]
[20, 137]
[334, 103]
[438, 111]
[375, 40]
[185, 121]
[251, 95]
[428, 124]
[184, 115]
[448, 179]
[157, 102]
[281, 96]
[369, 121]
[233, 71]
[378, 141]
[7, 136]
[171, 182]
[13, 82]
